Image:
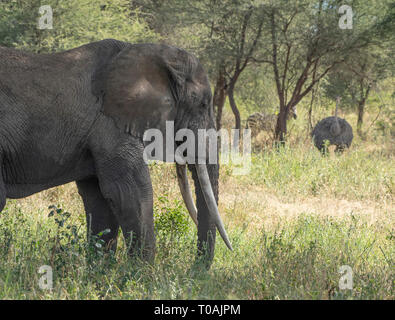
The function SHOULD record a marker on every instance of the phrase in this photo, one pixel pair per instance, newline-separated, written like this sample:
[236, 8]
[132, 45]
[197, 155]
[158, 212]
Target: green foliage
[171, 219]
[359, 76]
[75, 22]
[256, 92]
[291, 256]
[70, 241]
[17, 20]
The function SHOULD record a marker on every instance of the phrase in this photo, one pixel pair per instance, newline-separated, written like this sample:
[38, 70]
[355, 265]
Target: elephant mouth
[204, 156]
[204, 181]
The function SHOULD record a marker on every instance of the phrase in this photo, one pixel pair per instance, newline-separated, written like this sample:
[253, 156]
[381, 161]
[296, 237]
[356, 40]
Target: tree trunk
[281, 126]
[361, 110]
[219, 97]
[233, 105]
[310, 112]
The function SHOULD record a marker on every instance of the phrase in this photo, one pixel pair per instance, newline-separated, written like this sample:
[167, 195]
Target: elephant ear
[141, 89]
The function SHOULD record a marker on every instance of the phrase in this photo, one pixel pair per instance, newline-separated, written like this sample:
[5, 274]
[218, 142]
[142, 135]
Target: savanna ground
[294, 220]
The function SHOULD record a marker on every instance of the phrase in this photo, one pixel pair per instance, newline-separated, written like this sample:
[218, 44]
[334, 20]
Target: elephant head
[147, 85]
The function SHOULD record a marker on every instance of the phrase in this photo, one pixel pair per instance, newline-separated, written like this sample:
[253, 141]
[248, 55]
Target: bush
[75, 22]
[171, 219]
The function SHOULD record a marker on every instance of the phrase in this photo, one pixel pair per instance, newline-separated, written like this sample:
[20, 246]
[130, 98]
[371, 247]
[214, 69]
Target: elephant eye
[205, 102]
[167, 100]
[194, 96]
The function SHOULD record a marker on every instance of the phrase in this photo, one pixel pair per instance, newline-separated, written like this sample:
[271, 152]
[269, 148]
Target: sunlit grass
[293, 221]
[298, 259]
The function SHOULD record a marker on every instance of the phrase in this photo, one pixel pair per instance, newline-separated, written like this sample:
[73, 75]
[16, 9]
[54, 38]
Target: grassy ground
[293, 221]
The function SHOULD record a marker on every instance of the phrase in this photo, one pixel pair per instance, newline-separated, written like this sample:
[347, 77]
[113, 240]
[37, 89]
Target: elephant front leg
[340, 149]
[99, 216]
[126, 185]
[2, 193]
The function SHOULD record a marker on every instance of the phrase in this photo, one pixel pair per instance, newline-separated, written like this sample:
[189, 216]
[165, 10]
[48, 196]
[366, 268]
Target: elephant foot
[201, 263]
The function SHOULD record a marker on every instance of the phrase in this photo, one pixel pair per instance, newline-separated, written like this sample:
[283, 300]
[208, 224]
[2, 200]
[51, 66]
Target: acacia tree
[240, 59]
[367, 67]
[358, 76]
[301, 40]
[307, 44]
[299, 45]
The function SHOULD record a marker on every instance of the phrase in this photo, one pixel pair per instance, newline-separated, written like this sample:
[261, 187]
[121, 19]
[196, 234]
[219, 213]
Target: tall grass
[294, 220]
[304, 172]
[296, 260]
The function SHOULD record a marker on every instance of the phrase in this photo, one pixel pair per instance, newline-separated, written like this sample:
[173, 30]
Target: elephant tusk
[186, 191]
[207, 190]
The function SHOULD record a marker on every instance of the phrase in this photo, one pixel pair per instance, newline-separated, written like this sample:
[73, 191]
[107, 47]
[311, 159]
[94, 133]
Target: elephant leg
[126, 184]
[323, 149]
[99, 216]
[206, 225]
[2, 195]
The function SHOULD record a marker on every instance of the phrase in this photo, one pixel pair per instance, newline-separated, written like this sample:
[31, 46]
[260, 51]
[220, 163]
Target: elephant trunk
[206, 190]
[205, 214]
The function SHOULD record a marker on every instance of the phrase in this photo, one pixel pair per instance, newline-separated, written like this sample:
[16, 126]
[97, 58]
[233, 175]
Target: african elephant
[80, 115]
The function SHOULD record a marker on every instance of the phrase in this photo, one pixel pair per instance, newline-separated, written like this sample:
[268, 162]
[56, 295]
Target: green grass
[293, 221]
[297, 260]
[297, 171]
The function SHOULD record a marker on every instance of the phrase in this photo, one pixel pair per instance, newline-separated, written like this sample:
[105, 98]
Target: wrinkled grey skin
[80, 116]
[326, 129]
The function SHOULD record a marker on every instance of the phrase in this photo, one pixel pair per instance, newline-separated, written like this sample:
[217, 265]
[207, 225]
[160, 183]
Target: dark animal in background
[332, 131]
[80, 115]
[260, 121]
